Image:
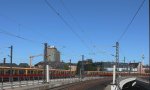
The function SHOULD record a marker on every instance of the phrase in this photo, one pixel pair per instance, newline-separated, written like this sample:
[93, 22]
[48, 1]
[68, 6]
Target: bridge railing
[22, 81]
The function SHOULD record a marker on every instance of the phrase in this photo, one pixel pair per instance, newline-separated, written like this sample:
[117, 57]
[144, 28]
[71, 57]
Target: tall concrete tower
[53, 54]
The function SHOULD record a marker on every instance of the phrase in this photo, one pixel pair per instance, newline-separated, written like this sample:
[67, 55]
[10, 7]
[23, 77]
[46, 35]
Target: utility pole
[82, 67]
[142, 64]
[149, 44]
[117, 57]
[4, 61]
[129, 67]
[11, 72]
[45, 61]
[124, 64]
[70, 68]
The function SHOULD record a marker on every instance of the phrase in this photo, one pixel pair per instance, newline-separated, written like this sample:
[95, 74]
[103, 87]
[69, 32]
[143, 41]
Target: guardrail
[20, 82]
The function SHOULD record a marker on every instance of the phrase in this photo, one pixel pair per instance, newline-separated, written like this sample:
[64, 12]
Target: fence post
[19, 81]
[38, 80]
[27, 80]
[11, 82]
[33, 80]
[2, 83]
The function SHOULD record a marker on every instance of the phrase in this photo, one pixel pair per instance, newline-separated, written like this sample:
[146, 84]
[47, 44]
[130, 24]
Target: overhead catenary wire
[18, 36]
[80, 28]
[131, 21]
[20, 26]
[12, 20]
[129, 24]
[67, 24]
[73, 18]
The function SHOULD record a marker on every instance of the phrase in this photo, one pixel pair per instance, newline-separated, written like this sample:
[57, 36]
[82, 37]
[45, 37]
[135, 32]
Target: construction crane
[31, 58]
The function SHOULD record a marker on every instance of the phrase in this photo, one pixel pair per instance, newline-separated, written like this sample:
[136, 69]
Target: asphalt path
[101, 85]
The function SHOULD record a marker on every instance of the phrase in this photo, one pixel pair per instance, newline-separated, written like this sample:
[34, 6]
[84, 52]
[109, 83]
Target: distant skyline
[96, 26]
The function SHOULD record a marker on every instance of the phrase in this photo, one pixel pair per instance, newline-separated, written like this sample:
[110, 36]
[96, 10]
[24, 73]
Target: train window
[1, 71]
[7, 72]
[21, 71]
[29, 71]
[15, 72]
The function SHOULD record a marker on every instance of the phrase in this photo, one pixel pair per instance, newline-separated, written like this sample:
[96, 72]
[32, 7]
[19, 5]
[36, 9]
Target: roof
[23, 65]
[39, 63]
[8, 64]
[134, 65]
[146, 66]
[110, 64]
[52, 64]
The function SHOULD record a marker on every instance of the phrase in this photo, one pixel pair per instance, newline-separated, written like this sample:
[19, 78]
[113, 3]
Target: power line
[127, 28]
[66, 23]
[13, 35]
[12, 20]
[78, 25]
[73, 18]
[19, 26]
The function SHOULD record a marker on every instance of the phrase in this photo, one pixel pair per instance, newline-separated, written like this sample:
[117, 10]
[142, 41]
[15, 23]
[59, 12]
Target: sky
[93, 27]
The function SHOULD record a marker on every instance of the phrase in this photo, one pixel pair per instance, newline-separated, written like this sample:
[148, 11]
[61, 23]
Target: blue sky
[99, 23]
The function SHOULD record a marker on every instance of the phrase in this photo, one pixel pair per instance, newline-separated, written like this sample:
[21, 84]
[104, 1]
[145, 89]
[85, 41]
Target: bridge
[87, 83]
[54, 84]
[130, 83]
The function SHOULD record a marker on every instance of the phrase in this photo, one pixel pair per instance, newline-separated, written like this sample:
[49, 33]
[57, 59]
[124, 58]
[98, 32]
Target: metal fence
[25, 81]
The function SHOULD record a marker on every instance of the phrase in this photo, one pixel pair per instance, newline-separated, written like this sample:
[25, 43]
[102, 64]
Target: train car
[19, 73]
[105, 73]
[97, 73]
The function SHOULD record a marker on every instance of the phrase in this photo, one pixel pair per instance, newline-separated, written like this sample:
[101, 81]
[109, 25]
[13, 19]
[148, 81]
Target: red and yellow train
[30, 73]
[104, 73]
[33, 72]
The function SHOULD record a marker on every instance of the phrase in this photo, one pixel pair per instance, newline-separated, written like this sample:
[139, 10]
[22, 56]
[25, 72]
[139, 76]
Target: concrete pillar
[114, 74]
[47, 73]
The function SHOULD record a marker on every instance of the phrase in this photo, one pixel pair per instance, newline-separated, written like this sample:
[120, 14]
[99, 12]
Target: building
[135, 67]
[108, 66]
[24, 65]
[53, 54]
[126, 67]
[145, 69]
[53, 58]
[73, 67]
[8, 64]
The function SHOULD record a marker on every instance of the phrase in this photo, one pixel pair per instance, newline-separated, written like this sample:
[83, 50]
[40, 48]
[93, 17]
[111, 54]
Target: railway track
[85, 85]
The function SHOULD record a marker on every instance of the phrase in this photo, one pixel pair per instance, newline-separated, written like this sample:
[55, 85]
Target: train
[110, 74]
[32, 73]
[20, 73]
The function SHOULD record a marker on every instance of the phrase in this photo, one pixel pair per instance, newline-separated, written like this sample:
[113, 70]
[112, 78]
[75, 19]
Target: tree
[66, 66]
[88, 66]
[78, 67]
[147, 71]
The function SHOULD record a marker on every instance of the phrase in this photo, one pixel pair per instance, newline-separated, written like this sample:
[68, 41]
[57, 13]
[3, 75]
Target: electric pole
[117, 55]
[124, 64]
[142, 63]
[117, 59]
[4, 61]
[70, 68]
[45, 61]
[82, 67]
[149, 44]
[11, 72]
